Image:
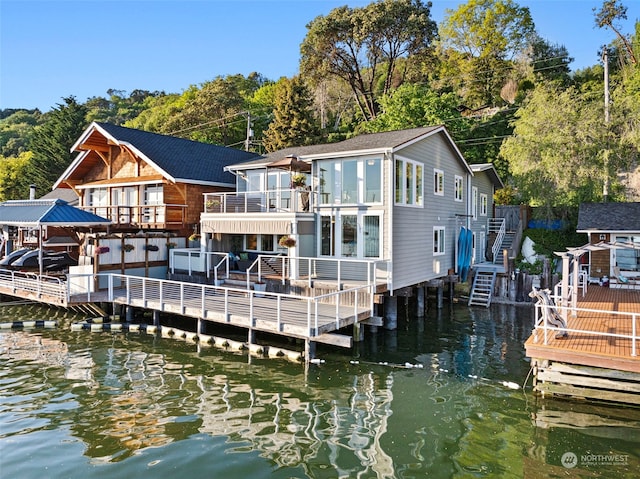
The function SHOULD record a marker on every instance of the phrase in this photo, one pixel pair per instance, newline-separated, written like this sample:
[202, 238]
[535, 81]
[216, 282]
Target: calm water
[103, 405]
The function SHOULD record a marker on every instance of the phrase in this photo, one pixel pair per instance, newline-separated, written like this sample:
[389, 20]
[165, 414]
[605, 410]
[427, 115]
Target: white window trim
[484, 204]
[458, 185]
[415, 165]
[438, 182]
[442, 244]
[474, 202]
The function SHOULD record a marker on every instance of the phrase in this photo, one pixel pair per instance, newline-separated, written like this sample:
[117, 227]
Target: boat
[14, 256]
[51, 260]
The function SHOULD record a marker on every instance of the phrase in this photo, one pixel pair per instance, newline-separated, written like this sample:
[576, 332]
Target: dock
[599, 359]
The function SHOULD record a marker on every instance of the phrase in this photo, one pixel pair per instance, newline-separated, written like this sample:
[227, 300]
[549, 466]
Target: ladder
[482, 288]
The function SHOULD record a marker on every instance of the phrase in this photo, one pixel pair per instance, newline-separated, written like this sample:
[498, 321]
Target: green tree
[215, 113]
[119, 107]
[14, 178]
[52, 141]
[293, 123]
[412, 105]
[607, 16]
[479, 43]
[556, 153]
[16, 129]
[363, 47]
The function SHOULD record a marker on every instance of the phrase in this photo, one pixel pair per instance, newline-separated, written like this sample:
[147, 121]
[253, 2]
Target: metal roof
[48, 212]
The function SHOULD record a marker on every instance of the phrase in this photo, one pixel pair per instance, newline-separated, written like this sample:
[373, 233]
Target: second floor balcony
[143, 216]
[272, 201]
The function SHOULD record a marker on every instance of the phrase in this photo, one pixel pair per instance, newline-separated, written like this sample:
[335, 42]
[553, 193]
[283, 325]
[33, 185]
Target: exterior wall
[412, 234]
[479, 225]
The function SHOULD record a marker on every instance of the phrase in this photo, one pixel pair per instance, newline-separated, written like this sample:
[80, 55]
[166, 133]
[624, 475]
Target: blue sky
[51, 49]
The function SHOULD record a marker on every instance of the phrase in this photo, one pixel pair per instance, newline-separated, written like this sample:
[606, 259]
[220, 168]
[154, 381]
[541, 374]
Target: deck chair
[549, 312]
[629, 282]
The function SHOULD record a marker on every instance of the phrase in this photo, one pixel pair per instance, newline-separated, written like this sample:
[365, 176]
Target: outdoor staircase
[482, 288]
[507, 242]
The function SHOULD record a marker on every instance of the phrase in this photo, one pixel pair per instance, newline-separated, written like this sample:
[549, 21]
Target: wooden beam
[339, 340]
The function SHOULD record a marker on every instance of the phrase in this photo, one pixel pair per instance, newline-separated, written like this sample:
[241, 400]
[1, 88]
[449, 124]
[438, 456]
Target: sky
[52, 49]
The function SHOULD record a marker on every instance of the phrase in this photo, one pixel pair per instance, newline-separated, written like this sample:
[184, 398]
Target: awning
[249, 226]
[291, 163]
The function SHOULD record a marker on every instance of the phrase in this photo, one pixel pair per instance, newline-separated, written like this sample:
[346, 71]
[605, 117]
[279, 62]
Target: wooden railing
[141, 214]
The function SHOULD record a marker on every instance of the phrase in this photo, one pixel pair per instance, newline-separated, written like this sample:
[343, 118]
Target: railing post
[202, 302]
[278, 310]
[161, 295]
[128, 283]
[110, 283]
[634, 335]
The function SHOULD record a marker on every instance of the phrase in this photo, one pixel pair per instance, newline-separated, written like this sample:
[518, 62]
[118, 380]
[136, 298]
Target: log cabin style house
[150, 187]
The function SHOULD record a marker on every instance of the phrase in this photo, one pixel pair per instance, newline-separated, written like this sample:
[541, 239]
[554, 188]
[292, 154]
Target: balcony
[272, 201]
[142, 216]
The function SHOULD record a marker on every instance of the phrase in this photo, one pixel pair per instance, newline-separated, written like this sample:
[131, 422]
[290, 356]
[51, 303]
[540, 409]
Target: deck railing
[271, 201]
[26, 284]
[497, 225]
[193, 260]
[310, 269]
[169, 295]
[141, 214]
[543, 327]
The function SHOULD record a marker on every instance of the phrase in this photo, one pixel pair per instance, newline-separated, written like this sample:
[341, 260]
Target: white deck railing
[26, 284]
[545, 329]
[310, 269]
[193, 260]
[169, 295]
[497, 225]
[271, 201]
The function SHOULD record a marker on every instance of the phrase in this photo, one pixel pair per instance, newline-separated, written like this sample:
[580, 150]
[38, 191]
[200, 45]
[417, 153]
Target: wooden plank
[598, 372]
[587, 381]
[334, 339]
[587, 393]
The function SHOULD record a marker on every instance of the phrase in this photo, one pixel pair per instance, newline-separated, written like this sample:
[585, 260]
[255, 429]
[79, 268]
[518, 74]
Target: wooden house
[150, 187]
[397, 197]
[617, 224]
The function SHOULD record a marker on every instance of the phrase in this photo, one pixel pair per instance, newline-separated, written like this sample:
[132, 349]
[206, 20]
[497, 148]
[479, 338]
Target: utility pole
[605, 160]
[247, 142]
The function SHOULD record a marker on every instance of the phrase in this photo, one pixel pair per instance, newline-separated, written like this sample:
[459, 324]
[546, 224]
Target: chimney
[32, 192]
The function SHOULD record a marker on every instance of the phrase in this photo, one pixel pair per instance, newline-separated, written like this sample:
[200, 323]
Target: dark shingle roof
[46, 212]
[609, 217]
[182, 159]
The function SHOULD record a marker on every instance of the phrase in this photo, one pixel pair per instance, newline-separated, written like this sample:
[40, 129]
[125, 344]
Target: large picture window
[350, 181]
[409, 182]
[353, 235]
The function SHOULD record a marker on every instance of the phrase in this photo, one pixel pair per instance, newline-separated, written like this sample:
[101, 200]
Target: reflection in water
[138, 404]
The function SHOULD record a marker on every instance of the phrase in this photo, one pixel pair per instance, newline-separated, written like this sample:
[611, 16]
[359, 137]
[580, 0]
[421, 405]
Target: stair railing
[497, 225]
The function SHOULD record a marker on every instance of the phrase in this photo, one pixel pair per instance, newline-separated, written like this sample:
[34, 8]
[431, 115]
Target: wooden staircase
[482, 288]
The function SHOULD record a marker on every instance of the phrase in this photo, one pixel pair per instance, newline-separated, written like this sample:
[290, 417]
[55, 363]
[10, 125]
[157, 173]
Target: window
[257, 242]
[438, 182]
[354, 235]
[409, 182]
[483, 204]
[153, 196]
[438, 241]
[628, 259]
[458, 188]
[474, 202]
[351, 181]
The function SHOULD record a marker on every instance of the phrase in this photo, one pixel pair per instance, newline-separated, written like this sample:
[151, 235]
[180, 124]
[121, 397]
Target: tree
[478, 43]
[612, 11]
[16, 129]
[363, 46]
[556, 154]
[14, 178]
[293, 123]
[412, 105]
[215, 113]
[52, 141]
[120, 107]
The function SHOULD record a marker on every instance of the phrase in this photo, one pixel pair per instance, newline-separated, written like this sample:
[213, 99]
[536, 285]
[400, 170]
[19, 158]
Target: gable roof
[612, 217]
[177, 159]
[392, 141]
[52, 212]
[491, 172]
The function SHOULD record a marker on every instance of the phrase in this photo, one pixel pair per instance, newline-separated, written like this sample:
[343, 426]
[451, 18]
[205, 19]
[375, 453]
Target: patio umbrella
[291, 163]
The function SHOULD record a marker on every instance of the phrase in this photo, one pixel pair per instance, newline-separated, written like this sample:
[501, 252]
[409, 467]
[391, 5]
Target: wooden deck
[593, 349]
[596, 360]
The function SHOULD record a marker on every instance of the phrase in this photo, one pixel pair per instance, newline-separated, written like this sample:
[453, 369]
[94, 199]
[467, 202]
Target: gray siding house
[396, 197]
[484, 183]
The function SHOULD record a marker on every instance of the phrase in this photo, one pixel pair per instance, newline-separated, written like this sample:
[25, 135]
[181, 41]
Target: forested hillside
[505, 94]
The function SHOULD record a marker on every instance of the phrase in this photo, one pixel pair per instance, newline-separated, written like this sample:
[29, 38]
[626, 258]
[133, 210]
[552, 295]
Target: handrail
[541, 324]
[270, 201]
[138, 214]
[501, 229]
[34, 283]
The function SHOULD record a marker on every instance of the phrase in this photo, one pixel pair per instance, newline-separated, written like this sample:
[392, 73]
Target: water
[103, 405]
